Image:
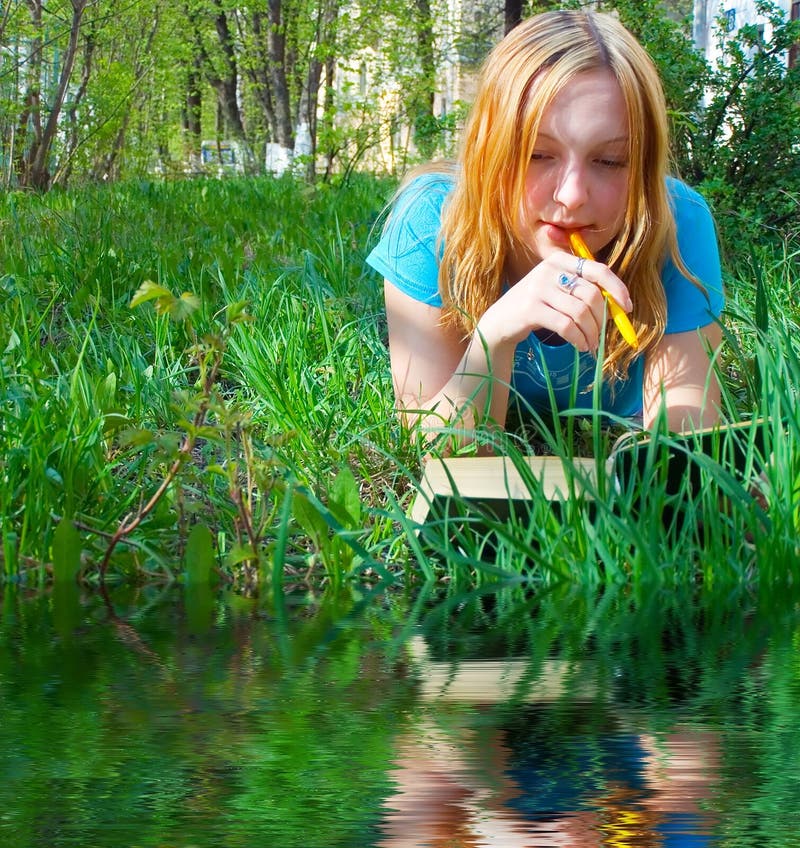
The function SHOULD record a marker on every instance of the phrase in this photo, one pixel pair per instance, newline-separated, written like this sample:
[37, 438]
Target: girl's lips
[556, 234]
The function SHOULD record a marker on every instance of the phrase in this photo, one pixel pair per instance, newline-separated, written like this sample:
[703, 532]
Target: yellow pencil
[617, 312]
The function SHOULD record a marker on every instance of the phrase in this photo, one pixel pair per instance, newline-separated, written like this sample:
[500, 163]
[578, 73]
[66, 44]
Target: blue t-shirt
[408, 253]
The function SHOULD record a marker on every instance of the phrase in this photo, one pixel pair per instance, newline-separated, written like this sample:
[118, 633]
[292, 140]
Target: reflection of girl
[568, 133]
[640, 791]
[534, 784]
[529, 752]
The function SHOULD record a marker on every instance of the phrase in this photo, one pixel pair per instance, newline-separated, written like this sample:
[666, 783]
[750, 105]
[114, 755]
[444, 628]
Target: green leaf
[113, 421]
[66, 549]
[237, 312]
[13, 342]
[181, 308]
[345, 499]
[136, 437]
[240, 553]
[106, 391]
[199, 557]
[309, 518]
[149, 290]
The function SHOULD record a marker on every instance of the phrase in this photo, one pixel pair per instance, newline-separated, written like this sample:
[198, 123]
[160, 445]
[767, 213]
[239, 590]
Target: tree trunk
[73, 140]
[38, 175]
[327, 112]
[259, 73]
[224, 80]
[513, 14]
[193, 109]
[276, 54]
[421, 103]
[326, 38]
[227, 85]
[30, 116]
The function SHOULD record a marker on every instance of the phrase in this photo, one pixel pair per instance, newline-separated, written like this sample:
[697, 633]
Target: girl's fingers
[602, 276]
[574, 320]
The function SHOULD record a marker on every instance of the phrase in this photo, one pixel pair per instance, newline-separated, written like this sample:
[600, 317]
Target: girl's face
[578, 174]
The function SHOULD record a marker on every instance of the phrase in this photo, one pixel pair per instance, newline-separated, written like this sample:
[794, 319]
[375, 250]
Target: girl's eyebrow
[615, 140]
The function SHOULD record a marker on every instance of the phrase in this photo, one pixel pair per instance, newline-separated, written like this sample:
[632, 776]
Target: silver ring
[568, 283]
[581, 263]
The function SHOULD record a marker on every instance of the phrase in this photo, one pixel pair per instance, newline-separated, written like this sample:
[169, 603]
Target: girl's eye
[613, 163]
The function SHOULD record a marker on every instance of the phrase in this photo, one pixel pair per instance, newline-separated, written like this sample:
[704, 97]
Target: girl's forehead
[591, 104]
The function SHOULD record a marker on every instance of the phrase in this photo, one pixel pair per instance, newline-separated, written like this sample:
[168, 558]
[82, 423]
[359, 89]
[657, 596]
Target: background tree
[216, 54]
[744, 147]
[47, 39]
[116, 75]
[95, 93]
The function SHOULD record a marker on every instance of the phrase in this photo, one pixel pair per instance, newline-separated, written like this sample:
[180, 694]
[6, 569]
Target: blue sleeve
[407, 254]
[688, 307]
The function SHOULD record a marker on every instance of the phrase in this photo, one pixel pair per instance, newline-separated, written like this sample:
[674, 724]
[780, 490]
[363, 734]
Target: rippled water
[164, 718]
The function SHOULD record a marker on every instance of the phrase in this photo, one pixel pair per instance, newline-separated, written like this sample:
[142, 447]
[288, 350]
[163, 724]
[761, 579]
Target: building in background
[735, 14]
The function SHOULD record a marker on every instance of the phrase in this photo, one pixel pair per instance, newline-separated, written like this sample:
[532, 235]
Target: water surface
[167, 718]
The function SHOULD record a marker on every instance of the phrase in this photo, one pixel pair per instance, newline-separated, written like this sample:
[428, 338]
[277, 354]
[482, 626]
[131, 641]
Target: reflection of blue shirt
[407, 256]
[576, 776]
[573, 777]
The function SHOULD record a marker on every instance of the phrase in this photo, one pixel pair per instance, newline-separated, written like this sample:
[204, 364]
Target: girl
[486, 301]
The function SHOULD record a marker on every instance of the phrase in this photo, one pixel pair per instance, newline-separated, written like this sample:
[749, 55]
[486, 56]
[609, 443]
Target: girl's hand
[553, 297]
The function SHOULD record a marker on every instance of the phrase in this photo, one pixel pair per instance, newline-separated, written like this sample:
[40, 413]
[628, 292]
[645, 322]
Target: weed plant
[195, 383]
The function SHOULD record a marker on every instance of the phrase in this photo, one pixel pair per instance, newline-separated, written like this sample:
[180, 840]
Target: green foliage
[258, 405]
[141, 420]
[199, 555]
[736, 125]
[746, 150]
[66, 551]
[181, 726]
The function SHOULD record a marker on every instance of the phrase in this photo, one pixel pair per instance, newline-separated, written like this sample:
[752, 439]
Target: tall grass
[298, 468]
[95, 394]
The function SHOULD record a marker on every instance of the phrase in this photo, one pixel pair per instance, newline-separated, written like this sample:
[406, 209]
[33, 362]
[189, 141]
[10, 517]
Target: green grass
[289, 457]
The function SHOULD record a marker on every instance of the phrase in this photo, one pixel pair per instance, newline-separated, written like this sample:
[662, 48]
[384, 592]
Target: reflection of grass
[643, 644]
[97, 398]
[162, 732]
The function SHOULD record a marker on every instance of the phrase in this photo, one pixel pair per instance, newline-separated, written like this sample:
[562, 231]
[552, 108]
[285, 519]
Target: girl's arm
[680, 376]
[439, 378]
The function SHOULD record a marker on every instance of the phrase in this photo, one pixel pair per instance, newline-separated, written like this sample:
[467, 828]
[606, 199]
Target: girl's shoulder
[408, 251]
[685, 200]
[423, 194]
[690, 307]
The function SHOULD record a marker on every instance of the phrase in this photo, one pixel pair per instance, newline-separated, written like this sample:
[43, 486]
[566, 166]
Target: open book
[497, 482]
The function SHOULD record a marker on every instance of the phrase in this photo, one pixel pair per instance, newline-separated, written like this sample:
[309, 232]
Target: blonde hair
[519, 79]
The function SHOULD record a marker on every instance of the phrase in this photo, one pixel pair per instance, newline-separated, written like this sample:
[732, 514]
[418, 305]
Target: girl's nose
[571, 189]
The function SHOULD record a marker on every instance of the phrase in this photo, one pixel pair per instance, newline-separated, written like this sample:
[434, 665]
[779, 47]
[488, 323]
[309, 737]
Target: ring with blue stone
[568, 283]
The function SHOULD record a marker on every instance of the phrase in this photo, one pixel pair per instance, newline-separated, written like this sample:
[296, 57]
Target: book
[677, 459]
[496, 483]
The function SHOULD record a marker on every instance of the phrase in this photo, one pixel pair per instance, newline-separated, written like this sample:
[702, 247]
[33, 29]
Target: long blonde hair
[519, 79]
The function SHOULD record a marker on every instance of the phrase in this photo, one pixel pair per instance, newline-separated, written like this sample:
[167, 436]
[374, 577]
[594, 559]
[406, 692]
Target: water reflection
[566, 766]
[626, 735]
[176, 718]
